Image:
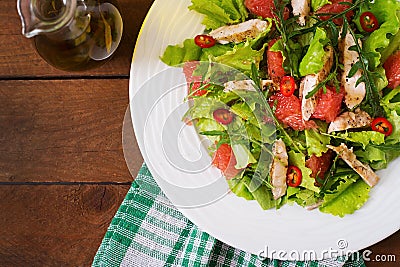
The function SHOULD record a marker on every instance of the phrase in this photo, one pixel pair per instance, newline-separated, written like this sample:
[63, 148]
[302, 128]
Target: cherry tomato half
[382, 125]
[369, 22]
[293, 176]
[287, 85]
[223, 116]
[204, 41]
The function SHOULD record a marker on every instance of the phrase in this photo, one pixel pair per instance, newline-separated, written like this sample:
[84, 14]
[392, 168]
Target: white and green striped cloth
[148, 230]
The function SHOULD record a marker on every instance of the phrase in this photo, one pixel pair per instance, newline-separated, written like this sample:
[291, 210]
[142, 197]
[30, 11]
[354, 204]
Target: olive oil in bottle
[87, 40]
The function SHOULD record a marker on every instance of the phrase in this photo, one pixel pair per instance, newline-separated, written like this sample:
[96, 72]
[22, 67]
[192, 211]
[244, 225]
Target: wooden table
[62, 169]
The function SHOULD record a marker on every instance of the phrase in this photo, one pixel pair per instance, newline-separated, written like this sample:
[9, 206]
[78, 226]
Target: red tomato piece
[382, 125]
[392, 70]
[275, 61]
[288, 111]
[204, 41]
[287, 85]
[188, 69]
[195, 91]
[293, 176]
[328, 104]
[223, 116]
[193, 82]
[320, 165]
[335, 8]
[225, 160]
[369, 22]
[263, 8]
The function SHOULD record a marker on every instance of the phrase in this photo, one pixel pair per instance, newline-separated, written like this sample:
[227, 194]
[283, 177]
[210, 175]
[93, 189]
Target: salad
[300, 99]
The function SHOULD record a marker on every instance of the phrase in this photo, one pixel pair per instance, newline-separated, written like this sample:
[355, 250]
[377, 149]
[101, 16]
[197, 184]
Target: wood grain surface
[55, 225]
[63, 169]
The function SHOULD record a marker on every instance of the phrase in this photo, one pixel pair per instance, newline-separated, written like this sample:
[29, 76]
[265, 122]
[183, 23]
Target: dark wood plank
[55, 225]
[57, 131]
[386, 252]
[18, 57]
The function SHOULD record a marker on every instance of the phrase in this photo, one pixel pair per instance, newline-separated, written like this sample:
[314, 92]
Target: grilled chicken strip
[239, 32]
[247, 85]
[353, 94]
[348, 120]
[278, 169]
[365, 171]
[310, 81]
[301, 8]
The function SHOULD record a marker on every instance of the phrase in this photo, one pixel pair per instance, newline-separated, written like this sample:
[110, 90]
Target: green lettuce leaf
[375, 157]
[386, 13]
[313, 60]
[262, 194]
[393, 46]
[394, 119]
[299, 160]
[208, 125]
[264, 197]
[241, 57]
[178, 54]
[239, 188]
[316, 142]
[391, 101]
[203, 107]
[243, 110]
[349, 197]
[317, 4]
[218, 13]
[364, 137]
[214, 51]
[243, 156]
[307, 198]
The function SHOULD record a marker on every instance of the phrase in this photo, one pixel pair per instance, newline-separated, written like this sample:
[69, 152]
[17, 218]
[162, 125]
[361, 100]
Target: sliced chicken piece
[310, 81]
[365, 171]
[353, 94]
[349, 119]
[239, 32]
[247, 85]
[278, 169]
[301, 8]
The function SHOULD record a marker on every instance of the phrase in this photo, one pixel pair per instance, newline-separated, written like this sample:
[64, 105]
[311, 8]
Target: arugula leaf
[371, 102]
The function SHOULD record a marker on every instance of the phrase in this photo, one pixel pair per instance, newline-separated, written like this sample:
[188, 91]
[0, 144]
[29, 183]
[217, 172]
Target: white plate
[181, 165]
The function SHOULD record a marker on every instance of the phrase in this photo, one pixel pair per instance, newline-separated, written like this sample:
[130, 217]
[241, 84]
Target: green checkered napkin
[148, 230]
